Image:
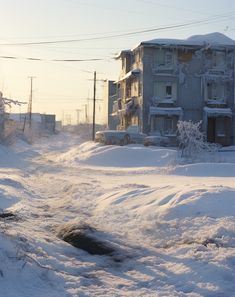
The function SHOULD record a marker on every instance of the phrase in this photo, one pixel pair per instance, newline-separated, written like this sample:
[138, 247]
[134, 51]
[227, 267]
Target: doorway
[211, 128]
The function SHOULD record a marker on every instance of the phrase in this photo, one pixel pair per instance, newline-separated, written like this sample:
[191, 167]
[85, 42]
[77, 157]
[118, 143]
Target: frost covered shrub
[192, 140]
[8, 135]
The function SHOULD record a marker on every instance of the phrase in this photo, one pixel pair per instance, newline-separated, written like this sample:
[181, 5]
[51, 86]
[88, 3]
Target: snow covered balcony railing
[134, 99]
[217, 71]
[218, 75]
[132, 106]
[131, 74]
[117, 107]
[166, 111]
[164, 70]
[216, 112]
[216, 102]
[167, 100]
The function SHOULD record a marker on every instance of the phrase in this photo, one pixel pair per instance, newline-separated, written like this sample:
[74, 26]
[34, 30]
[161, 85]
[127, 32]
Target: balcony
[131, 74]
[214, 103]
[217, 74]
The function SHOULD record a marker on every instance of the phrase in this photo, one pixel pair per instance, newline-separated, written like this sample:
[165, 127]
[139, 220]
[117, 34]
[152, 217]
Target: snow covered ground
[173, 224]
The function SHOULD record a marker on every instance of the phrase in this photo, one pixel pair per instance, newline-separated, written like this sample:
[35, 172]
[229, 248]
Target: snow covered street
[172, 224]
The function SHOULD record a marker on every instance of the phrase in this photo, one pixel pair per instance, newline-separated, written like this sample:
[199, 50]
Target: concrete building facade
[109, 97]
[163, 81]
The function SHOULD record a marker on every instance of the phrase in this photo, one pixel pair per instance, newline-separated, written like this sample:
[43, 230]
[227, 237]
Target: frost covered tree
[6, 133]
[191, 138]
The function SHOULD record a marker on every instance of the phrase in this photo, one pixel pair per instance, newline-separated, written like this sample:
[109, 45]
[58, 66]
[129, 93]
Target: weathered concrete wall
[189, 70]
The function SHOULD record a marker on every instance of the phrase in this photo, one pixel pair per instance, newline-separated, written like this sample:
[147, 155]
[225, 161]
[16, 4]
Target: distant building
[109, 97]
[163, 81]
[46, 122]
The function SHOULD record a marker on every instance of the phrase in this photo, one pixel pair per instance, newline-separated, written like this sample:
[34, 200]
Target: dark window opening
[168, 91]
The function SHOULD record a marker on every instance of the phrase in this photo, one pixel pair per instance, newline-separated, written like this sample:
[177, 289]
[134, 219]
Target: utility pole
[30, 100]
[78, 113]
[85, 114]
[68, 119]
[94, 98]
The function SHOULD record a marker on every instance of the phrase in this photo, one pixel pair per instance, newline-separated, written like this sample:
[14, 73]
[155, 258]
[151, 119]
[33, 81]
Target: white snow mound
[94, 154]
[206, 169]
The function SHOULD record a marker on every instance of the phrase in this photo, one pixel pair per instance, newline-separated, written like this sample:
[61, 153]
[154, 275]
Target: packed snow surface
[172, 222]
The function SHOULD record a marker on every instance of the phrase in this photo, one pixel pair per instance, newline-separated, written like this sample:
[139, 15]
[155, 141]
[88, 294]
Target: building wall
[109, 96]
[188, 72]
[191, 74]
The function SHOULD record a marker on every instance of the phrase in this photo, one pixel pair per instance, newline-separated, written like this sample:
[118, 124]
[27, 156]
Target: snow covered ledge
[214, 112]
[166, 111]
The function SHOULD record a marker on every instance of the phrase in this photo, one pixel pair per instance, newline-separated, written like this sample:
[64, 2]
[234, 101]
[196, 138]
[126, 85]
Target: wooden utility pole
[30, 100]
[94, 98]
[85, 114]
[78, 113]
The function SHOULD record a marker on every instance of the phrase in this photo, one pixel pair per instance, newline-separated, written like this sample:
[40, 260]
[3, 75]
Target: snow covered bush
[192, 140]
[8, 135]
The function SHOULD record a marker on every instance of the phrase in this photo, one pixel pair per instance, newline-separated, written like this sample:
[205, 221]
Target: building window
[218, 59]
[157, 124]
[164, 125]
[168, 59]
[215, 91]
[169, 126]
[135, 120]
[137, 57]
[140, 88]
[168, 91]
[165, 90]
[164, 58]
[220, 127]
[159, 58]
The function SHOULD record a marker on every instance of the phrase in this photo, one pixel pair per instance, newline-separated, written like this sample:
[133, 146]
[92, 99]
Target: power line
[168, 27]
[66, 99]
[48, 60]
[157, 3]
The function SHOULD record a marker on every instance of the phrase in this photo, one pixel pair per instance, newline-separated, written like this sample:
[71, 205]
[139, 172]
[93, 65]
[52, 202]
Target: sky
[61, 87]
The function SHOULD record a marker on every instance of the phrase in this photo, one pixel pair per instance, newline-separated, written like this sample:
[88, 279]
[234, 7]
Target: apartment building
[163, 81]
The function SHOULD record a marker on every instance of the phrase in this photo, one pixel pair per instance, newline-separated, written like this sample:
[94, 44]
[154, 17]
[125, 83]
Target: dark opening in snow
[8, 216]
[86, 238]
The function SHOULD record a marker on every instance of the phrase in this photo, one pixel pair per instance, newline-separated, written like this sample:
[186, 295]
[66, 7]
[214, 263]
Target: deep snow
[172, 223]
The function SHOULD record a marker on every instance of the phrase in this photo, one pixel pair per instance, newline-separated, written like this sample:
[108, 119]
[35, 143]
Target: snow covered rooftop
[125, 52]
[36, 117]
[129, 74]
[215, 39]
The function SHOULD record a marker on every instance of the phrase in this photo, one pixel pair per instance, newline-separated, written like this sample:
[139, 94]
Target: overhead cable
[48, 60]
[182, 25]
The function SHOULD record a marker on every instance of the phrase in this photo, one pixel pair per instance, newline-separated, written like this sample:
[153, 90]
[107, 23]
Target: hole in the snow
[8, 215]
[86, 238]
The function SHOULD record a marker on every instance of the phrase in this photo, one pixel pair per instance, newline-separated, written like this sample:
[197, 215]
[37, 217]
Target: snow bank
[179, 229]
[130, 157]
[216, 202]
[206, 169]
[116, 156]
[12, 187]
[170, 203]
[9, 158]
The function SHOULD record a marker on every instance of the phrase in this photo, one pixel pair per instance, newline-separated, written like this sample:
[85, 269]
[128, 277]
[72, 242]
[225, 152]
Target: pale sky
[63, 87]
